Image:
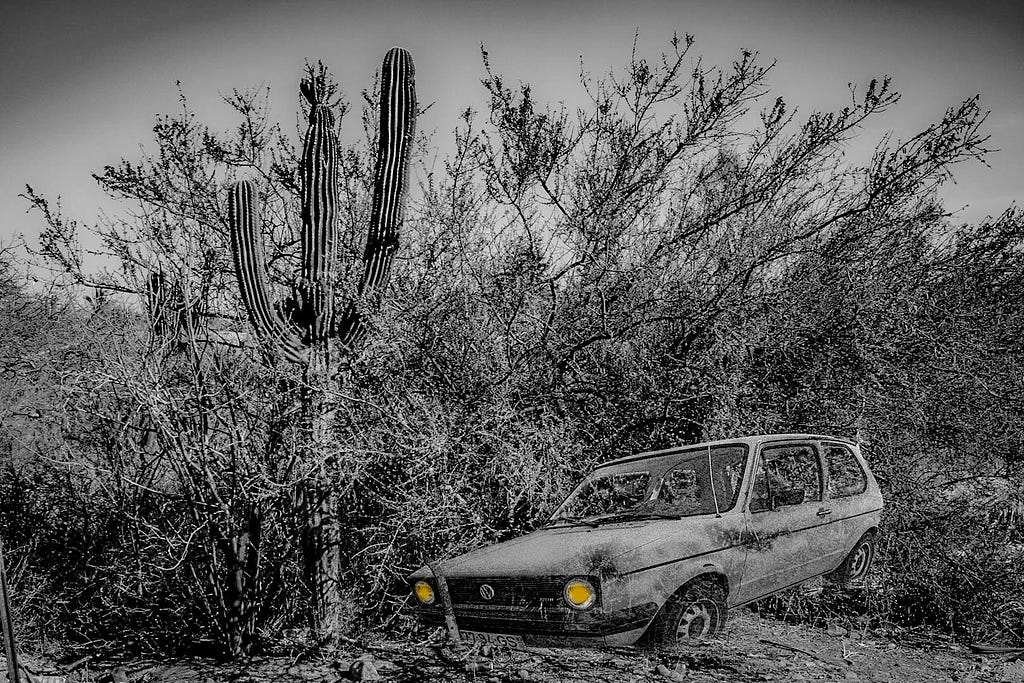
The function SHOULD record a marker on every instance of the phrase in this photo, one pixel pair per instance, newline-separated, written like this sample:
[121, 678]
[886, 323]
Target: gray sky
[82, 81]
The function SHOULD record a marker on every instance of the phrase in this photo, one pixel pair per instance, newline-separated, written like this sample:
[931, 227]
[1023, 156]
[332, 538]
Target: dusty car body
[665, 542]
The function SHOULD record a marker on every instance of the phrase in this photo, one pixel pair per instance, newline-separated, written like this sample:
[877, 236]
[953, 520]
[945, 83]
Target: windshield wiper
[571, 520]
[636, 514]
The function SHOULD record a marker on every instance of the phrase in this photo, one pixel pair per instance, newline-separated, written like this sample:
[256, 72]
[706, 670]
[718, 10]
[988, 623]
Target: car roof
[750, 441]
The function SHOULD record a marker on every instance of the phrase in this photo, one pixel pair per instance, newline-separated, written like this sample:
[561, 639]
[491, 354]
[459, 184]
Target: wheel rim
[861, 560]
[696, 622]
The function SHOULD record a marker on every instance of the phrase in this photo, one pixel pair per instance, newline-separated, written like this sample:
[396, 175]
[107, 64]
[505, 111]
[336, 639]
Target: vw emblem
[487, 591]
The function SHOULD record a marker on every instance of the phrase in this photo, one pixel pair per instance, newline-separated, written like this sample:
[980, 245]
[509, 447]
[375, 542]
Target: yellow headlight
[424, 593]
[579, 593]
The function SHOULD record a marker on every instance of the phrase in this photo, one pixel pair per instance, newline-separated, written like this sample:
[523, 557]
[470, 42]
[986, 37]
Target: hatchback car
[661, 545]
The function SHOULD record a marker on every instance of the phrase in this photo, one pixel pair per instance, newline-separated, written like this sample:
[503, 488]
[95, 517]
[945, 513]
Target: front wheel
[857, 564]
[694, 614]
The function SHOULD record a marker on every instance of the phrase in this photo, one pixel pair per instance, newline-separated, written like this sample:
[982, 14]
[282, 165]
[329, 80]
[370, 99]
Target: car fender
[659, 584]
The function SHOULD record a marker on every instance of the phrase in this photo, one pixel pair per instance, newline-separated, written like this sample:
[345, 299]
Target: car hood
[608, 549]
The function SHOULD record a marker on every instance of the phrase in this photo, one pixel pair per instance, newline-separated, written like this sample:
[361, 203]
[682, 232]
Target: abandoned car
[660, 545]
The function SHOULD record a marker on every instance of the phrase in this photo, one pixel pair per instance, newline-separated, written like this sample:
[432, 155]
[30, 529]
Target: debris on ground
[752, 648]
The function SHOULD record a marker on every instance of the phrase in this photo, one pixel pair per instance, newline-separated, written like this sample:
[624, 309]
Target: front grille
[526, 591]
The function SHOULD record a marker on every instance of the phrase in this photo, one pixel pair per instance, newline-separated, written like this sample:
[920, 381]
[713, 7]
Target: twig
[821, 658]
[1011, 652]
[80, 662]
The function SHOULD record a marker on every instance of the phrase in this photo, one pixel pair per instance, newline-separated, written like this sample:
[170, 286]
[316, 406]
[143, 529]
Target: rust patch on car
[599, 562]
[758, 543]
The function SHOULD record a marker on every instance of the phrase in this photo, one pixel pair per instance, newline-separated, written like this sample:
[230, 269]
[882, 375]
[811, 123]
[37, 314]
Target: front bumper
[549, 626]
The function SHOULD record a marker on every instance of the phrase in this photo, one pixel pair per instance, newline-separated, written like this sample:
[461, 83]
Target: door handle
[824, 511]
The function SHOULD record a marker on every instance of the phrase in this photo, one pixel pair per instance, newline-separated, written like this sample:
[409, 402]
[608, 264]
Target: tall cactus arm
[397, 130]
[247, 251]
[319, 211]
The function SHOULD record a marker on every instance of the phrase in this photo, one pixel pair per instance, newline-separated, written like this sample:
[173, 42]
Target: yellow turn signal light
[579, 593]
[424, 593]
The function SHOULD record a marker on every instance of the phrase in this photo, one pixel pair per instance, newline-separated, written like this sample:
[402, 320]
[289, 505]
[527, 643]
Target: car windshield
[698, 482]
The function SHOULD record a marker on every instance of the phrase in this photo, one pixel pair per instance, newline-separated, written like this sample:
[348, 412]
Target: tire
[857, 565]
[695, 613]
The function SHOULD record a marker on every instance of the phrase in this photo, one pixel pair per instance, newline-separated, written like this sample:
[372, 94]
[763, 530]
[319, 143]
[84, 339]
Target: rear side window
[786, 475]
[845, 476]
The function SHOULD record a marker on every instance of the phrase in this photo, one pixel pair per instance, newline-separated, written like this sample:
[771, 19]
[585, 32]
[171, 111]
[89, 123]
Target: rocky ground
[752, 648]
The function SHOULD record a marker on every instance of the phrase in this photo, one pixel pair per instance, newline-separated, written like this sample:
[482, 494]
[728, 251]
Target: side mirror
[790, 497]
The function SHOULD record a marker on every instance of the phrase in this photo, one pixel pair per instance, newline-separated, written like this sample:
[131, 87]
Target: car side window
[786, 475]
[845, 476]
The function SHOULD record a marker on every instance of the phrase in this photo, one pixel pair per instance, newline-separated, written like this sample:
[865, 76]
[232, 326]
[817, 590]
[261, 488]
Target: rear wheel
[694, 614]
[857, 565]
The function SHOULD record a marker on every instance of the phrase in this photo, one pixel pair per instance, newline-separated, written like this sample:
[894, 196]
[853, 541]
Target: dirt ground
[752, 648]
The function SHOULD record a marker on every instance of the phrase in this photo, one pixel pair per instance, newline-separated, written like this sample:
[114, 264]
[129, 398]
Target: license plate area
[499, 639]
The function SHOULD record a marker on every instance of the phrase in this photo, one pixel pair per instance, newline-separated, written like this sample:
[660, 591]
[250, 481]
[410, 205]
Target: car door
[845, 485]
[787, 537]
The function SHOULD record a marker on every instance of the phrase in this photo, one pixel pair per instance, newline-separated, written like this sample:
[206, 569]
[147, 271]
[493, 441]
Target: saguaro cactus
[313, 315]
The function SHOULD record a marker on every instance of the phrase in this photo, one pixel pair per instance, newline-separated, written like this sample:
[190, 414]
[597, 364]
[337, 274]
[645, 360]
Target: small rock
[523, 675]
[662, 670]
[487, 651]
[836, 631]
[676, 676]
[363, 670]
[118, 675]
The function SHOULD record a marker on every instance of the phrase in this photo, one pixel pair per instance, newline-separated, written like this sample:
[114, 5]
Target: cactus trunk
[319, 217]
